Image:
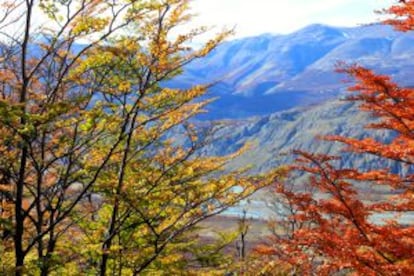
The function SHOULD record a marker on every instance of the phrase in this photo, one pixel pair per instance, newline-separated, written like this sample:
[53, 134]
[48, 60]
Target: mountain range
[273, 137]
[269, 73]
[279, 92]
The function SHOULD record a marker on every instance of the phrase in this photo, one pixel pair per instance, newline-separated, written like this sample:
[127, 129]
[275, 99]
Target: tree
[338, 232]
[86, 153]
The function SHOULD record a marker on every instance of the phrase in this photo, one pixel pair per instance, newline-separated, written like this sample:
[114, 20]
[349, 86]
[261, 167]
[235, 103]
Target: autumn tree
[92, 179]
[334, 226]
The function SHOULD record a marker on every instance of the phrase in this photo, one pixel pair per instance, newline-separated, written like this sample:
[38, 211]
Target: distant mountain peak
[319, 29]
[268, 73]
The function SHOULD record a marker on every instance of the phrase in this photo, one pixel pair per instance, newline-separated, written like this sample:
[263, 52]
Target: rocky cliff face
[275, 135]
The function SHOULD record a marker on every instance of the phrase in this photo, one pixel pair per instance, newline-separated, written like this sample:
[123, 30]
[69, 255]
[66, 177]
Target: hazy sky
[253, 17]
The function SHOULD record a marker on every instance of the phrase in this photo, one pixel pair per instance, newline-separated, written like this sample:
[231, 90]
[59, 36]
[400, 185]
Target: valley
[280, 92]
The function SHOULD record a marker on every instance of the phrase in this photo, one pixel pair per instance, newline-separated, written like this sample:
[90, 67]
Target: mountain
[274, 136]
[281, 91]
[269, 73]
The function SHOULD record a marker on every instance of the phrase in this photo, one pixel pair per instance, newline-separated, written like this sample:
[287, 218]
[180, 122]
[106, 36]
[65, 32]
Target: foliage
[331, 227]
[91, 179]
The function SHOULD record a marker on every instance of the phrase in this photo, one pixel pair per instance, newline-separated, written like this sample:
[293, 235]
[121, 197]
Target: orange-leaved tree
[335, 228]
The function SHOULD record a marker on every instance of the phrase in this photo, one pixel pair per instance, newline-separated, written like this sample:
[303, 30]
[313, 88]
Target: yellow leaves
[94, 60]
[178, 14]
[27, 131]
[211, 44]
[83, 101]
[189, 171]
[124, 86]
[7, 261]
[171, 259]
[87, 125]
[87, 24]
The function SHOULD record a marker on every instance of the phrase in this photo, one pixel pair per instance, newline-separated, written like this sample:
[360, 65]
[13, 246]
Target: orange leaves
[342, 228]
[403, 13]
[393, 105]
[337, 223]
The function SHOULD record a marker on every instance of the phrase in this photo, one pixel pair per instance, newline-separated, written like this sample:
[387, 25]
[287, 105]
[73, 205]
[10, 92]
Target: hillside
[269, 73]
[275, 135]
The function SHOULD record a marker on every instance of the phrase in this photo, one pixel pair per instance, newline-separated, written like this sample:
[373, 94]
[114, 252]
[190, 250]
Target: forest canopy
[105, 168]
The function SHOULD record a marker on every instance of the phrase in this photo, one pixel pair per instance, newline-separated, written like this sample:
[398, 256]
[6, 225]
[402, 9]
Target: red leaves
[333, 225]
[391, 104]
[403, 15]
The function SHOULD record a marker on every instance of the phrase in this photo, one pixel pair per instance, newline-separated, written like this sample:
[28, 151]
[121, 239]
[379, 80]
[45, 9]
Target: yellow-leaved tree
[93, 179]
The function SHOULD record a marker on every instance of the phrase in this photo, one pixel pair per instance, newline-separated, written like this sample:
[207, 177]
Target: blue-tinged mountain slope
[269, 73]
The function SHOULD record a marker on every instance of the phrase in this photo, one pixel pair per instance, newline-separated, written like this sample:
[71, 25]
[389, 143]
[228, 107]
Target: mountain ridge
[269, 73]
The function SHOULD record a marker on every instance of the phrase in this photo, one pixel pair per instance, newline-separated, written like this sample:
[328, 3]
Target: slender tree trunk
[111, 232]
[108, 242]
[44, 271]
[39, 211]
[19, 227]
[19, 216]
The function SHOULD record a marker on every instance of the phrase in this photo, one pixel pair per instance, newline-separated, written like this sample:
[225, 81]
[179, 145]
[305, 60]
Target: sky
[254, 17]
